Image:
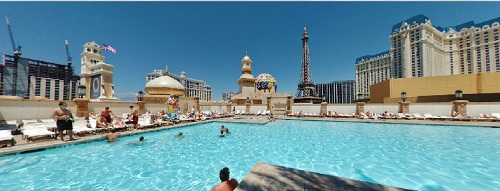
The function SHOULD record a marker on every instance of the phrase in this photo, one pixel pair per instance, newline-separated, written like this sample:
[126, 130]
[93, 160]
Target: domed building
[160, 89]
[164, 85]
[260, 90]
[265, 82]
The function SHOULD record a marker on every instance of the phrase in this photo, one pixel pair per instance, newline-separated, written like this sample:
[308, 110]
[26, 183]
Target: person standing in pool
[112, 136]
[223, 129]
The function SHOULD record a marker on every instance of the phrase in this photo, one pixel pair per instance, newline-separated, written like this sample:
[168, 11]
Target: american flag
[107, 47]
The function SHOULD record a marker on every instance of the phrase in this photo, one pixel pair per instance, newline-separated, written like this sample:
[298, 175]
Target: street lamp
[140, 95]
[458, 94]
[359, 96]
[82, 90]
[403, 96]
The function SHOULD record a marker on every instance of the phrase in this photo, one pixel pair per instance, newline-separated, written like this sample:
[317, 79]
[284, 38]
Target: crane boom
[67, 52]
[17, 51]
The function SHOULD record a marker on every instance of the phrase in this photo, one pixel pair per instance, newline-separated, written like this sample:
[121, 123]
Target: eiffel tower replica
[306, 92]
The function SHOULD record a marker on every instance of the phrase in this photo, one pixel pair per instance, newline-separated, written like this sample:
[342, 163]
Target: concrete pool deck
[265, 177]
[262, 176]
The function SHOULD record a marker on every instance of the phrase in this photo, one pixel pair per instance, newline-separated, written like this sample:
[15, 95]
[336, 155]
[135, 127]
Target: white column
[32, 86]
[52, 89]
[61, 90]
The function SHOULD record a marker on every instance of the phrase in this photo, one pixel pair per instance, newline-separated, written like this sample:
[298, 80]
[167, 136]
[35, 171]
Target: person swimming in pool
[141, 140]
[180, 135]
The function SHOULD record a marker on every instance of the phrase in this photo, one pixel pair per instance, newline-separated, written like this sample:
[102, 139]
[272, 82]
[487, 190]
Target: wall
[341, 108]
[381, 108]
[380, 91]
[438, 88]
[41, 109]
[306, 108]
[439, 109]
[30, 109]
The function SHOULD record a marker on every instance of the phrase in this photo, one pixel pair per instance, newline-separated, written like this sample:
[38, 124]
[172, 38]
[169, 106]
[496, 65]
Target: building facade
[226, 96]
[479, 87]
[193, 87]
[371, 69]
[420, 49]
[96, 74]
[28, 78]
[337, 91]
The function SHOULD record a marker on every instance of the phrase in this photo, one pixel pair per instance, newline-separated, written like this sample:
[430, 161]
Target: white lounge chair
[403, 116]
[418, 116]
[50, 123]
[12, 122]
[81, 126]
[25, 121]
[145, 121]
[6, 137]
[31, 130]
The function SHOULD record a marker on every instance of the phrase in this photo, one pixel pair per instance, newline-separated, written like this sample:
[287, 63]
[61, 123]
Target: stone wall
[41, 109]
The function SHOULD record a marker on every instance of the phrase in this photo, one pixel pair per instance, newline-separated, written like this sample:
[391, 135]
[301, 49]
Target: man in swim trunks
[106, 113]
[135, 116]
[64, 120]
[225, 184]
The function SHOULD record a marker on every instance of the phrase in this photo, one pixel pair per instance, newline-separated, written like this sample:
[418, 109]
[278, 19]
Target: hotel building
[226, 96]
[420, 49]
[337, 91]
[193, 87]
[28, 78]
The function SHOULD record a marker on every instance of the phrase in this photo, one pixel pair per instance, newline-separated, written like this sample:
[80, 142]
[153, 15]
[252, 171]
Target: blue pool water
[420, 157]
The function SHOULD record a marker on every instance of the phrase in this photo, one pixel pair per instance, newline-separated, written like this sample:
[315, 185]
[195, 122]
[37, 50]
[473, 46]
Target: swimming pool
[420, 157]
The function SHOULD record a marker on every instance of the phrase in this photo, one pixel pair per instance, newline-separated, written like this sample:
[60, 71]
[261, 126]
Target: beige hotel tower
[420, 49]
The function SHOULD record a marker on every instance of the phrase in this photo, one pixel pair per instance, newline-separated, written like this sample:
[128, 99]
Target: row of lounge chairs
[32, 129]
[426, 116]
[265, 112]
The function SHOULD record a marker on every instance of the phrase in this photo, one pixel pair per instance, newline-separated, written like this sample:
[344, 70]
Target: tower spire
[306, 92]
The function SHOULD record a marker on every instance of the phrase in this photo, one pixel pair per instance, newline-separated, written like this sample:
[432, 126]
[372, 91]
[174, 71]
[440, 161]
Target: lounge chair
[25, 121]
[80, 127]
[418, 116]
[50, 123]
[31, 130]
[259, 112]
[93, 125]
[429, 116]
[203, 118]
[183, 117]
[403, 116]
[146, 122]
[6, 137]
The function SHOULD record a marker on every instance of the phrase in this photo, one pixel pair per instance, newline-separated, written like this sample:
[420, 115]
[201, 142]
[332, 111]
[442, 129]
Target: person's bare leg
[61, 135]
[70, 133]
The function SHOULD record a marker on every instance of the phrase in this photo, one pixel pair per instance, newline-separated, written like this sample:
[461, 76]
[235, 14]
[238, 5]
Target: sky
[207, 40]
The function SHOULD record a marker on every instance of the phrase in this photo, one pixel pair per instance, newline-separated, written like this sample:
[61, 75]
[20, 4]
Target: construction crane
[17, 51]
[67, 53]
[69, 76]
[17, 54]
